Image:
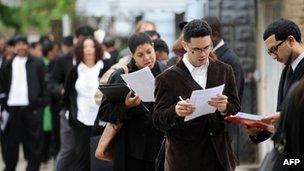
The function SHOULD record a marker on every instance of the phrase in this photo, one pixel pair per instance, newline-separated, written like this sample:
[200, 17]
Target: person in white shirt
[23, 89]
[80, 87]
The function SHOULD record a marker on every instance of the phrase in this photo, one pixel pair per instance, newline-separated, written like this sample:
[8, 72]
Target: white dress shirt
[18, 95]
[295, 63]
[86, 87]
[199, 74]
[221, 43]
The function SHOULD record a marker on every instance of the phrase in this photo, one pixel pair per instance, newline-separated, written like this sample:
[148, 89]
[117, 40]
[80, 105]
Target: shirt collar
[83, 66]
[295, 63]
[191, 67]
[221, 43]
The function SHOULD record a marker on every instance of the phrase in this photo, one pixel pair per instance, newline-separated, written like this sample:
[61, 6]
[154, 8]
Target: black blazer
[297, 75]
[200, 143]
[226, 55]
[62, 66]
[138, 138]
[69, 99]
[35, 72]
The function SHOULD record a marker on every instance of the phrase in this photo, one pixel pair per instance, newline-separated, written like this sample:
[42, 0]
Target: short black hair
[153, 33]
[214, 23]
[281, 29]
[47, 47]
[196, 28]
[109, 41]
[84, 31]
[68, 40]
[138, 39]
[34, 44]
[20, 38]
[160, 45]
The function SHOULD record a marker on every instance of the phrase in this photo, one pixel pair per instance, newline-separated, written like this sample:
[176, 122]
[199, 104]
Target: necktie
[288, 78]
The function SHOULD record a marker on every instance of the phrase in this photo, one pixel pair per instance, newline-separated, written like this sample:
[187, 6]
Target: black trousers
[23, 126]
[82, 134]
[133, 164]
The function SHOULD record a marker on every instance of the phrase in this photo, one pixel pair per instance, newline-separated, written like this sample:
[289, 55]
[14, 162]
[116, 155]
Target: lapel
[191, 84]
[212, 72]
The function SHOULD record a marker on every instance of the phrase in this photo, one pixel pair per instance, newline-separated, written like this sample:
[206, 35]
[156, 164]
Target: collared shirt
[86, 87]
[199, 74]
[295, 63]
[218, 45]
[18, 95]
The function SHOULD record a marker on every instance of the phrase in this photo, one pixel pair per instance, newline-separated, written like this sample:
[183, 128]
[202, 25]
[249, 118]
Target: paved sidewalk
[50, 165]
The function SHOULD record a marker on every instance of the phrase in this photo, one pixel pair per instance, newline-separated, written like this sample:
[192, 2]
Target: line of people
[158, 131]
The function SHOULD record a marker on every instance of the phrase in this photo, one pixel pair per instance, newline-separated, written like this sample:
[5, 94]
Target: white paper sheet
[142, 83]
[249, 116]
[200, 98]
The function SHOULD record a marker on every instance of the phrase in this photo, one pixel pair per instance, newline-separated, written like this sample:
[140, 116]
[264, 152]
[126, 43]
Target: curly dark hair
[79, 49]
[282, 28]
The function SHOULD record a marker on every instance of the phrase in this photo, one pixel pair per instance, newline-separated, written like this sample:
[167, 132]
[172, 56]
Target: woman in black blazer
[80, 87]
[137, 143]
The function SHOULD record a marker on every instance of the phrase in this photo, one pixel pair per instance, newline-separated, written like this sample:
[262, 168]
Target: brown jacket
[202, 143]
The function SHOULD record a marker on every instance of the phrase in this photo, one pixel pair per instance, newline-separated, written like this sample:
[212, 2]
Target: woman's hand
[132, 101]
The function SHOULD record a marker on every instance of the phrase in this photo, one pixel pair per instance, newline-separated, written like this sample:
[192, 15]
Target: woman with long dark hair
[80, 87]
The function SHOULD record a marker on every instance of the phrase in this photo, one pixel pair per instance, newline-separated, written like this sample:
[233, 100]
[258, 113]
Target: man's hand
[271, 119]
[184, 108]
[219, 102]
[132, 101]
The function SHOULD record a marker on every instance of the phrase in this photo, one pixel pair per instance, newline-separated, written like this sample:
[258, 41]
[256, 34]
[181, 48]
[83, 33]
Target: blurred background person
[36, 49]
[23, 84]
[62, 66]
[80, 87]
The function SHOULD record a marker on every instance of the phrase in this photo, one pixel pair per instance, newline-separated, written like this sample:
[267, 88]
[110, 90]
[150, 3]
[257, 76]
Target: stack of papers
[142, 83]
[200, 98]
[247, 119]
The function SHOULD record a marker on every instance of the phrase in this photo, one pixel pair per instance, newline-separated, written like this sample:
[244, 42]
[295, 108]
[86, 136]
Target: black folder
[115, 92]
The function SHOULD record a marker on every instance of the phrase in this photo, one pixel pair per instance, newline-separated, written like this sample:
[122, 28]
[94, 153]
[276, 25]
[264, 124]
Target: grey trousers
[65, 158]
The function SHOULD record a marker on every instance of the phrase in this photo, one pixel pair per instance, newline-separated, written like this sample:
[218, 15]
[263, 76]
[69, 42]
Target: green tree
[35, 14]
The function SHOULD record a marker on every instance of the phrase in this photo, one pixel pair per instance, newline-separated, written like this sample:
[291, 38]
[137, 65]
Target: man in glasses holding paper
[284, 44]
[201, 143]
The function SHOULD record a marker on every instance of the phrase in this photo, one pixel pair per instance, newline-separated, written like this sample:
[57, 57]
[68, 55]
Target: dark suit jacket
[297, 75]
[62, 66]
[226, 55]
[35, 72]
[201, 143]
[138, 138]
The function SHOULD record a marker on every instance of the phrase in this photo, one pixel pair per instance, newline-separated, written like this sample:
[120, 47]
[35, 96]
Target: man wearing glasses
[201, 143]
[283, 41]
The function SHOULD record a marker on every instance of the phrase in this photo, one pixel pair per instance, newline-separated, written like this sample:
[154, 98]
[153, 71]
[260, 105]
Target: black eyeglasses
[274, 49]
[197, 51]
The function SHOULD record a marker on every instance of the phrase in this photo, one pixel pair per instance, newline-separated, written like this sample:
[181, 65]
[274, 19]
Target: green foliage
[35, 14]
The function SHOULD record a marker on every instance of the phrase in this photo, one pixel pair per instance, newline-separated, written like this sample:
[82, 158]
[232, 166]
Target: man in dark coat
[201, 143]
[284, 44]
[23, 97]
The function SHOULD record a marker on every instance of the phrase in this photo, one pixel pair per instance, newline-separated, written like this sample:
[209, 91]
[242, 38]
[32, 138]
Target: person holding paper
[201, 143]
[137, 143]
[283, 41]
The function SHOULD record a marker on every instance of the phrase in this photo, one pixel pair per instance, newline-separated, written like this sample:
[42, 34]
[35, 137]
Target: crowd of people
[50, 92]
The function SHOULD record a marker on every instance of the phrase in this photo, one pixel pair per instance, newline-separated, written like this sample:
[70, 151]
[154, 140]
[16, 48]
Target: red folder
[247, 122]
